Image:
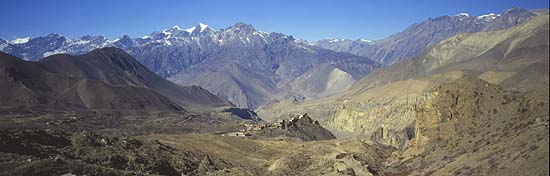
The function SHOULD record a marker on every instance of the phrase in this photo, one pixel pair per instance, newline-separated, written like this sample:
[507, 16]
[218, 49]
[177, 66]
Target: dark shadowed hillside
[29, 84]
[102, 79]
[116, 67]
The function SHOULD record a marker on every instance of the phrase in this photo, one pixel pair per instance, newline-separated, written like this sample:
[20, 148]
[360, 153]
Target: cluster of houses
[282, 124]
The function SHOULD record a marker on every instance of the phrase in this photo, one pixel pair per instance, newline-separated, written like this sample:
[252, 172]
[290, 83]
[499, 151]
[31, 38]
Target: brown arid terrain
[469, 127]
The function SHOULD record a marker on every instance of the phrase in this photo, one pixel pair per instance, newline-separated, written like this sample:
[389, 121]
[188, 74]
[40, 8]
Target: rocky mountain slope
[115, 67]
[382, 106]
[473, 127]
[239, 63]
[102, 79]
[414, 39]
[246, 66]
[25, 84]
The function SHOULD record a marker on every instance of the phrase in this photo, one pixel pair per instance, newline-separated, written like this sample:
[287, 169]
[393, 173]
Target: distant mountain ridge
[411, 41]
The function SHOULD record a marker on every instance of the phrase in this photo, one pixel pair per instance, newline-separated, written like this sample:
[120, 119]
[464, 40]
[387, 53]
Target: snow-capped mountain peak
[202, 26]
[462, 14]
[170, 31]
[20, 40]
[488, 17]
[242, 28]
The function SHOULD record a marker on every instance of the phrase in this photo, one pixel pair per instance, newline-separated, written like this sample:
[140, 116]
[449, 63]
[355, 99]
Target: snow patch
[190, 30]
[488, 17]
[49, 53]
[21, 40]
[81, 42]
[166, 33]
[2, 46]
[336, 40]
[463, 14]
[167, 42]
[365, 40]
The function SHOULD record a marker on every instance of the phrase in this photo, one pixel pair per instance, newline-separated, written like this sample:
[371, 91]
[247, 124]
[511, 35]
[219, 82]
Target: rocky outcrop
[302, 127]
[471, 106]
[385, 115]
[389, 123]
[471, 127]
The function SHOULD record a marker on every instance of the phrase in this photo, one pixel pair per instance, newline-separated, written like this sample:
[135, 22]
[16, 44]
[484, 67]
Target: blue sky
[305, 19]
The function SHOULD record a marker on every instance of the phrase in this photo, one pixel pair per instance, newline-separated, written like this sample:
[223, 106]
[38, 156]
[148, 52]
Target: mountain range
[452, 95]
[245, 66]
[415, 38]
[251, 68]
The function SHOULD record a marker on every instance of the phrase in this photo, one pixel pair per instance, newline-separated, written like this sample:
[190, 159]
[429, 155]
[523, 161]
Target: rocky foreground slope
[473, 127]
[87, 153]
